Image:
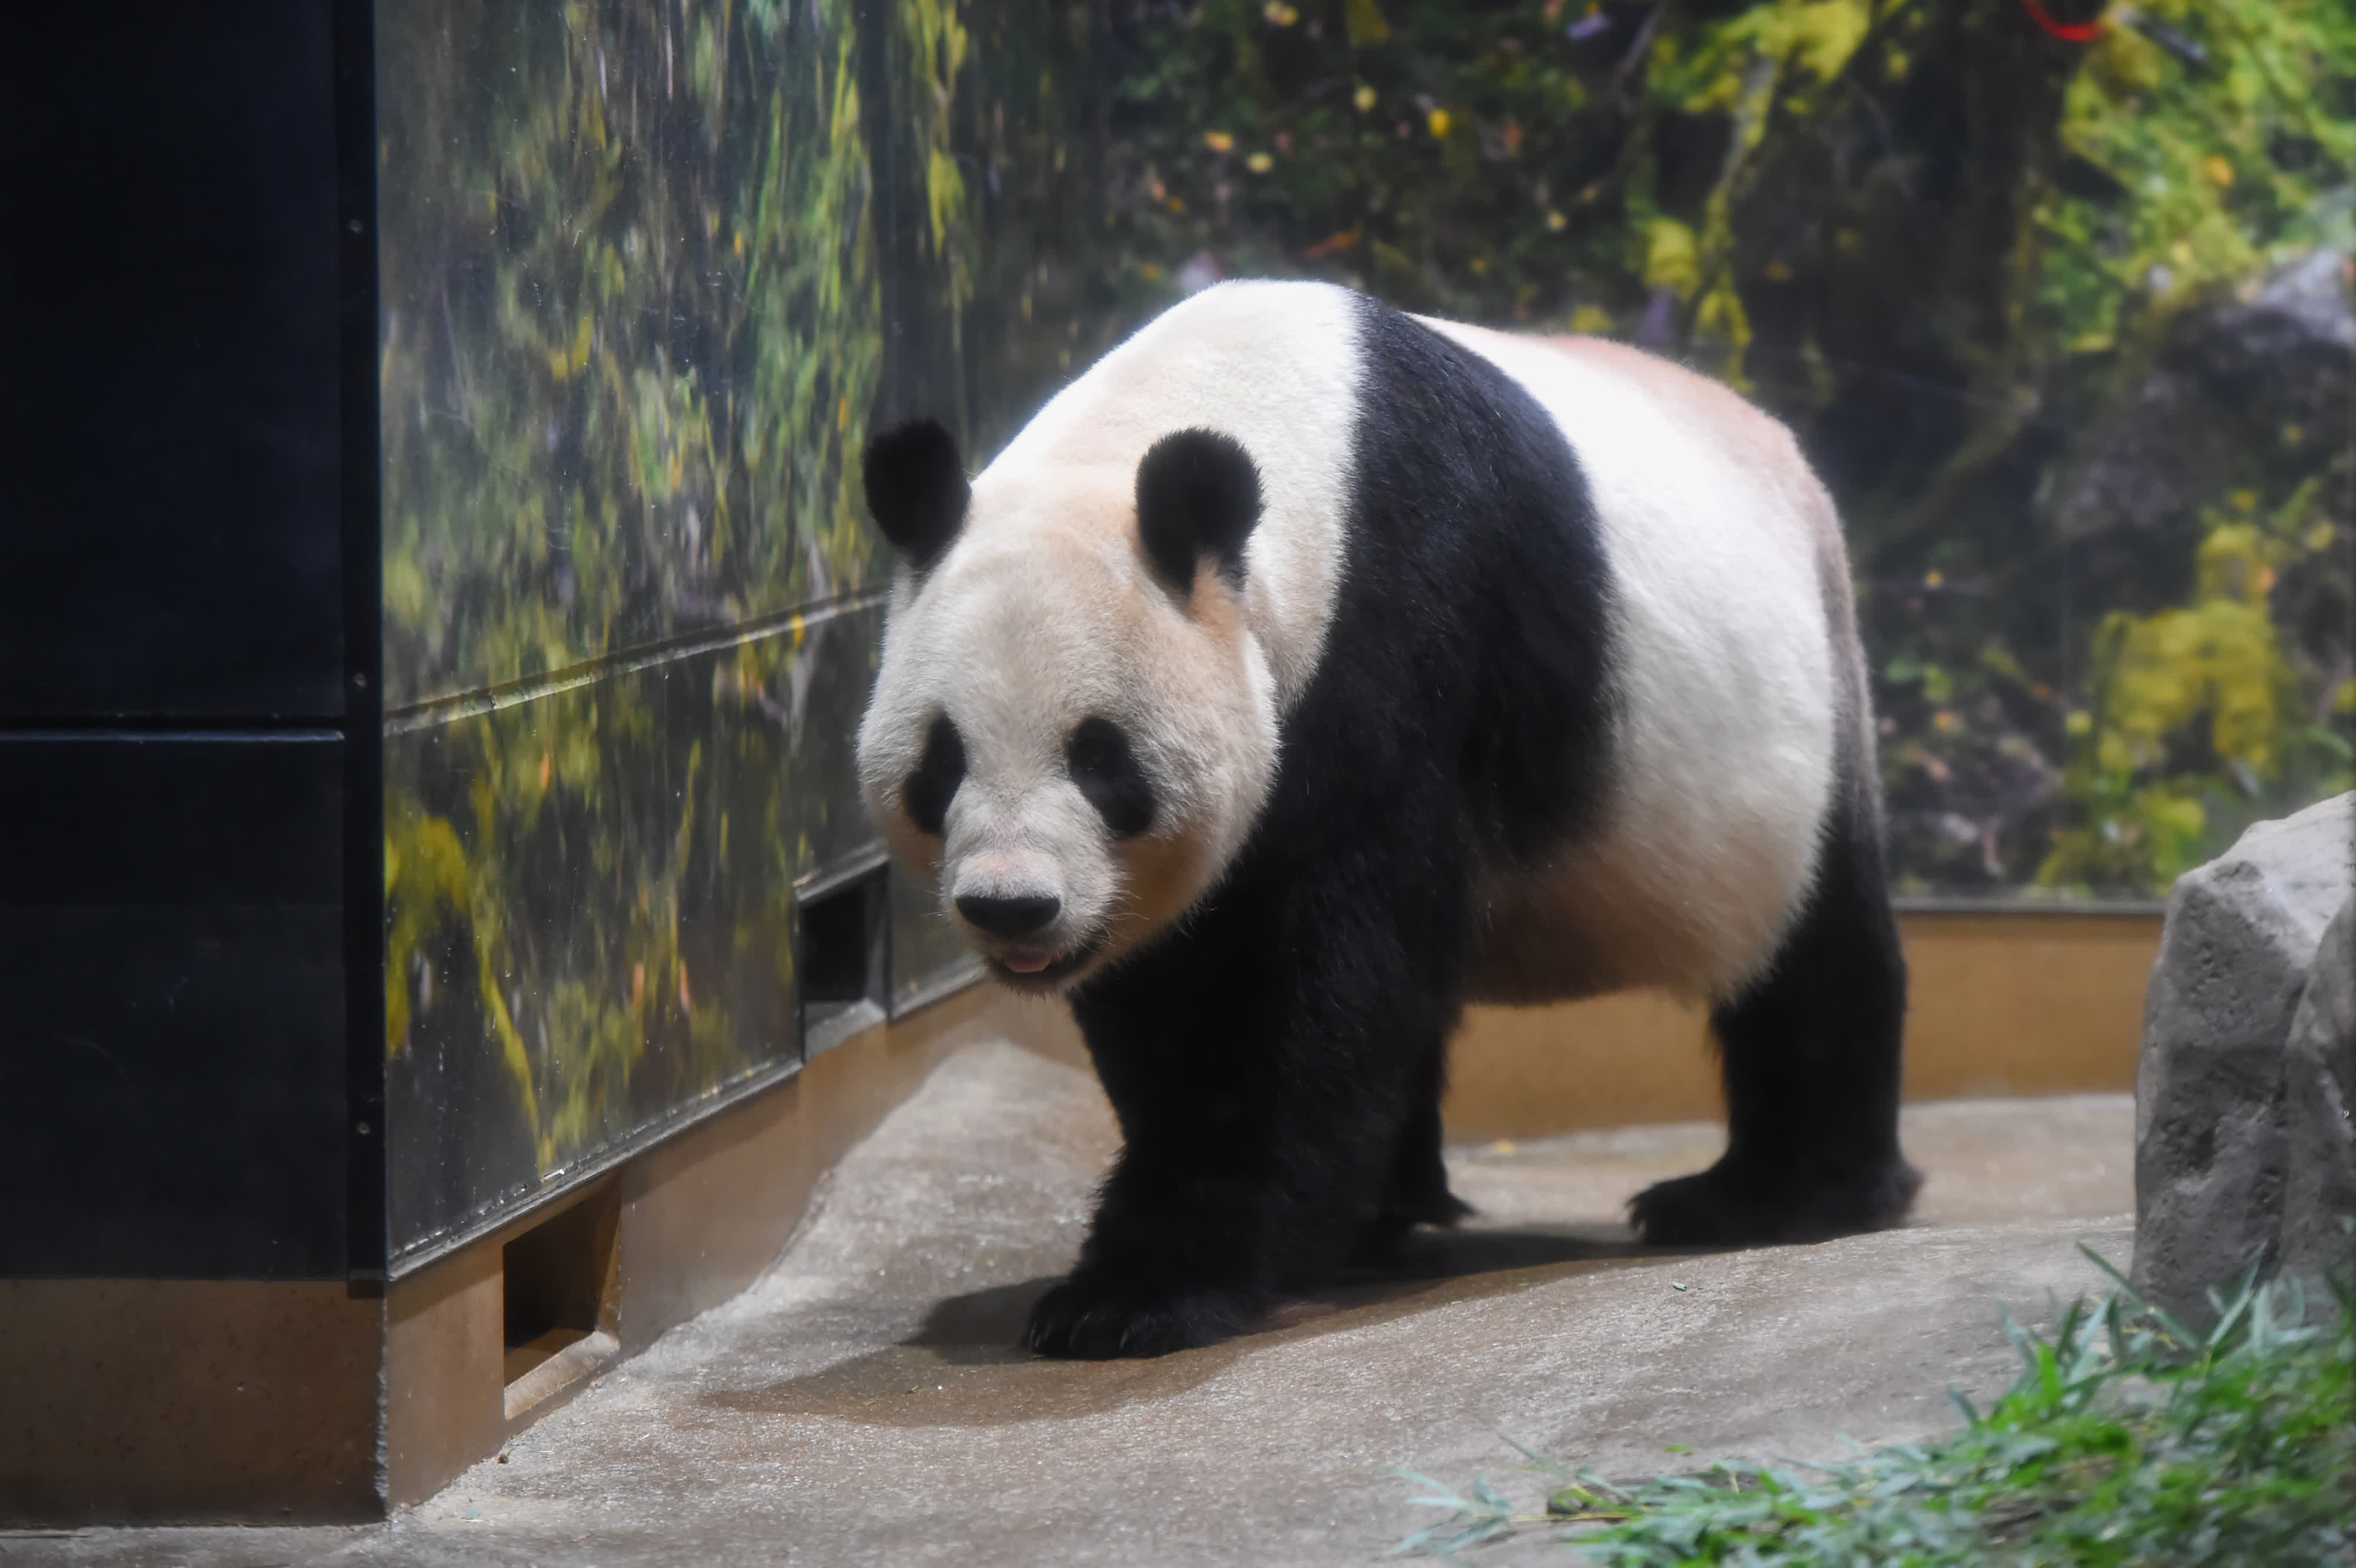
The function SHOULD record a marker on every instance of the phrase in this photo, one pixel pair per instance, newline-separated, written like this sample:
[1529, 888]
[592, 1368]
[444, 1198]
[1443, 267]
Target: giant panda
[1305, 670]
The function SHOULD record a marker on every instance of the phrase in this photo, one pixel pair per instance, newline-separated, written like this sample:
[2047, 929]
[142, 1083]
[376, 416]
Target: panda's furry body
[1305, 671]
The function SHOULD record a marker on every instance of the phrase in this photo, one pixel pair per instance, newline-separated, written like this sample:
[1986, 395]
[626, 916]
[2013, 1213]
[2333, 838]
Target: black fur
[1197, 495]
[917, 489]
[1811, 1057]
[934, 784]
[1009, 915]
[1107, 772]
[1276, 1061]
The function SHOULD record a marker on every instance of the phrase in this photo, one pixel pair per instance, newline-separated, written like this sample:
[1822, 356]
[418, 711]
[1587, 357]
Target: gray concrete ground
[864, 1403]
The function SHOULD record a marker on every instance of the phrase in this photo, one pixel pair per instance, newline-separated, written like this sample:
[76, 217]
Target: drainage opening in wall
[842, 955]
[557, 1288]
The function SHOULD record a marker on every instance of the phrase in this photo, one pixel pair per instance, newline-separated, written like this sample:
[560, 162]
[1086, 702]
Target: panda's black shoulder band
[916, 488]
[1197, 494]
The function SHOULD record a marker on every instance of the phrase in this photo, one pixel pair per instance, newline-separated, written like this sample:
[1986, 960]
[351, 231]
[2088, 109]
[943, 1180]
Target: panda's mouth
[1037, 968]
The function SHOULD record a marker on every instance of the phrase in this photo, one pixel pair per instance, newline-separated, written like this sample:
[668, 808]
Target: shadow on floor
[965, 1366]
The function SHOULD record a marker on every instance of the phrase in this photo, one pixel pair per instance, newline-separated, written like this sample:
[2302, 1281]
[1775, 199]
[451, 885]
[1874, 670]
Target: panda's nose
[1009, 916]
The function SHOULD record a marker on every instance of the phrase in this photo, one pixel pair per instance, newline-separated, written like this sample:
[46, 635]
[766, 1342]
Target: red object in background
[2068, 32]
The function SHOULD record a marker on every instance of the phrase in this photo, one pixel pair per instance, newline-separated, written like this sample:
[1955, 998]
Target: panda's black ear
[916, 488]
[1197, 495]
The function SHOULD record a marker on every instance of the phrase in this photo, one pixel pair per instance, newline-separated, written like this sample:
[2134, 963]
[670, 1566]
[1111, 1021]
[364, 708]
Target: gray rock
[2291, 337]
[2250, 389]
[2288, 342]
[2212, 1154]
[2318, 1090]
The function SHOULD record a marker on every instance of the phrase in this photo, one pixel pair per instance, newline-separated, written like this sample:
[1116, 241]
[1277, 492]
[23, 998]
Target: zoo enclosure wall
[429, 673]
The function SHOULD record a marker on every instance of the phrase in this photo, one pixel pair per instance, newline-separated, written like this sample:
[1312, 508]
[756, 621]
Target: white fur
[1018, 640]
[1273, 365]
[1045, 611]
[1723, 764]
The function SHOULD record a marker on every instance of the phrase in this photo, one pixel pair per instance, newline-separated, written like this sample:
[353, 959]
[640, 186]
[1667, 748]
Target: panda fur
[1305, 670]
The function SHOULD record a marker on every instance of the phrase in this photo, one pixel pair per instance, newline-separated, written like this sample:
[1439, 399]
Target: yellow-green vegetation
[1769, 59]
[631, 329]
[589, 890]
[427, 881]
[2219, 167]
[933, 43]
[2127, 1439]
[2208, 677]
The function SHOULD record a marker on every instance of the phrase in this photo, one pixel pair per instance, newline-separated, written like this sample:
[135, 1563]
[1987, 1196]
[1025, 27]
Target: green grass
[2127, 1439]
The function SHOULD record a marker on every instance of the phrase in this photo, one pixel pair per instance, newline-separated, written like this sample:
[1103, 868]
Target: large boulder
[2214, 1149]
[2318, 1092]
[2249, 389]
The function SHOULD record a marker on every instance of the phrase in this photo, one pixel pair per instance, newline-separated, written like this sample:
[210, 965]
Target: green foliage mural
[633, 328]
[591, 902]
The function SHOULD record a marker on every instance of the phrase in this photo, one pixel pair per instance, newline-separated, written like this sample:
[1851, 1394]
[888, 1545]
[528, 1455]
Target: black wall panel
[174, 683]
[168, 362]
[172, 1094]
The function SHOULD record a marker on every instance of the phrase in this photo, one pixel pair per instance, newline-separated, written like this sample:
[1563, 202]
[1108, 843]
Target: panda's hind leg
[1811, 1055]
[1418, 1192]
[1415, 1191]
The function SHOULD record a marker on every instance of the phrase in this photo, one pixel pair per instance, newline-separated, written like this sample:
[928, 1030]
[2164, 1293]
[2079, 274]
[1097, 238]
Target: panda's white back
[1719, 538]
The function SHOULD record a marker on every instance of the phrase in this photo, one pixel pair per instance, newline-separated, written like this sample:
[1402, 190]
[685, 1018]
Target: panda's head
[1073, 728]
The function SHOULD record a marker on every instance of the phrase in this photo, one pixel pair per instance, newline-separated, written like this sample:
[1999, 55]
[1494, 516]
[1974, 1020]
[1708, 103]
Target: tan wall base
[2001, 1004]
[700, 1217]
[197, 1401]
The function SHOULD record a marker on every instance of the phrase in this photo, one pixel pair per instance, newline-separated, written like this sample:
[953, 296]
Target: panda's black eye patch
[935, 782]
[1107, 773]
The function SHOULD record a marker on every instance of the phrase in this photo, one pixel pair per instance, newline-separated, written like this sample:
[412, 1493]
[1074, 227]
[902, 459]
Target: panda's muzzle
[1034, 968]
[1013, 923]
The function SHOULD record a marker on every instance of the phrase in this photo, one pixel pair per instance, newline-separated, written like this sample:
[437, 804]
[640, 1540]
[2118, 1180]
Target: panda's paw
[1735, 1207]
[1382, 1245]
[1104, 1320]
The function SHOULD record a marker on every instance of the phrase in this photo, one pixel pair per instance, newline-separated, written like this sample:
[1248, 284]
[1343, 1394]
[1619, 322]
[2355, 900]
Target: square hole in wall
[556, 1283]
[842, 952]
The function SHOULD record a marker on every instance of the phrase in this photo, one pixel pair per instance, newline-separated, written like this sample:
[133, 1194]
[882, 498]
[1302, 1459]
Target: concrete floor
[864, 1403]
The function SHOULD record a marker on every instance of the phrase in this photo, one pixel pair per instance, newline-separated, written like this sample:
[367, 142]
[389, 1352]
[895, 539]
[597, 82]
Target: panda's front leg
[1209, 1215]
[1162, 1270]
[1264, 1094]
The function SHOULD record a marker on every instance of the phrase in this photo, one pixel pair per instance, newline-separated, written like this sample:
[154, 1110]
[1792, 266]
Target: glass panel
[928, 958]
[631, 327]
[591, 896]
